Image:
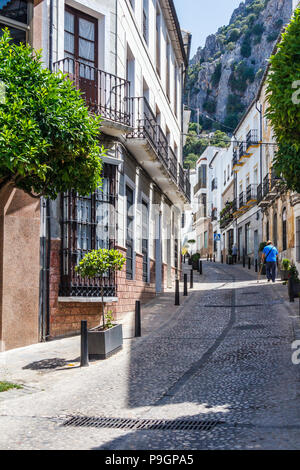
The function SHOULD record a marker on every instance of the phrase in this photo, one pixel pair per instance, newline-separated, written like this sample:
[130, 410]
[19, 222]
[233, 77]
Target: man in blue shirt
[270, 255]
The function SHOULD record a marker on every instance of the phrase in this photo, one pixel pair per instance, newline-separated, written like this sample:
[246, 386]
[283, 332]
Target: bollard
[138, 322]
[200, 267]
[207, 258]
[291, 293]
[192, 279]
[84, 352]
[185, 285]
[249, 263]
[222, 258]
[227, 260]
[244, 261]
[177, 296]
[256, 266]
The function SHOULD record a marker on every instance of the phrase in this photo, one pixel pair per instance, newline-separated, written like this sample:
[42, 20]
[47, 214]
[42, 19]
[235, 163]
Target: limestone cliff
[224, 75]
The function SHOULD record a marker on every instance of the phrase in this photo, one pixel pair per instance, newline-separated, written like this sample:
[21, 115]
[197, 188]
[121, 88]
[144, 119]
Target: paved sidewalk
[223, 358]
[36, 365]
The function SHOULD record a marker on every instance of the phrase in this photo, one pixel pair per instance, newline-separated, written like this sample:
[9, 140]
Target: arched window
[275, 229]
[267, 230]
[284, 237]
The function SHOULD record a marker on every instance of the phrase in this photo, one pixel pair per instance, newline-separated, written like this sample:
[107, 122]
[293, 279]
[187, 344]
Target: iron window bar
[87, 223]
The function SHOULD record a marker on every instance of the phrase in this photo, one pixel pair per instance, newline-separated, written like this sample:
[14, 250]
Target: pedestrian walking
[234, 253]
[270, 256]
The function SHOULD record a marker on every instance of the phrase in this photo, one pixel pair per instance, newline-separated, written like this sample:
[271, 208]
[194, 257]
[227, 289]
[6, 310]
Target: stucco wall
[19, 268]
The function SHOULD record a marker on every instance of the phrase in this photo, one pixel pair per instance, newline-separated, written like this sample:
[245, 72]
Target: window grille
[88, 223]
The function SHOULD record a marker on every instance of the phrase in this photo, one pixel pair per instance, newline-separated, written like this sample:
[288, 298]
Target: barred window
[145, 239]
[284, 231]
[298, 239]
[88, 223]
[129, 233]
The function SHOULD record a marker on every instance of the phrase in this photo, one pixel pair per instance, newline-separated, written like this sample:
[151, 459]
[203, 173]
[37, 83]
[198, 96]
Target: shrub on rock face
[284, 103]
[48, 140]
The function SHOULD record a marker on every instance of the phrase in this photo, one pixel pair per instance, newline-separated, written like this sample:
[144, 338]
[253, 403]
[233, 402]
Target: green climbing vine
[284, 103]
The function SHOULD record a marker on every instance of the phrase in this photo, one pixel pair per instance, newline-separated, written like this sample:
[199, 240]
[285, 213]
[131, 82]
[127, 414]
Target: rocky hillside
[225, 73]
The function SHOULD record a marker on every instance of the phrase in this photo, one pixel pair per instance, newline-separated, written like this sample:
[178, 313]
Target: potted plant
[106, 338]
[293, 282]
[284, 271]
[191, 242]
[195, 260]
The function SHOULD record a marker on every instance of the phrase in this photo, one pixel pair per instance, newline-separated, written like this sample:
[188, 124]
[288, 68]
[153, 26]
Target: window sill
[87, 299]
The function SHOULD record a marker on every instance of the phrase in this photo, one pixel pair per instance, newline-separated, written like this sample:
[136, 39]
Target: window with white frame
[16, 15]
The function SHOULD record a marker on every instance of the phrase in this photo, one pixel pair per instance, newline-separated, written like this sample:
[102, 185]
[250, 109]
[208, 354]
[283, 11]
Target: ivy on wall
[283, 91]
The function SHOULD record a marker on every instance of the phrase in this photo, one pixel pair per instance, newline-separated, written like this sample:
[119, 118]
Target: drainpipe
[260, 137]
[116, 40]
[259, 109]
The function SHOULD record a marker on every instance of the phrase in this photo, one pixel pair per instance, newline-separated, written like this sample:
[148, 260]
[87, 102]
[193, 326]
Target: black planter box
[195, 265]
[284, 275]
[294, 289]
[102, 344]
[190, 261]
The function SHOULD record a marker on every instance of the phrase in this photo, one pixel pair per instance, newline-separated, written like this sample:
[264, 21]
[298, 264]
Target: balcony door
[81, 40]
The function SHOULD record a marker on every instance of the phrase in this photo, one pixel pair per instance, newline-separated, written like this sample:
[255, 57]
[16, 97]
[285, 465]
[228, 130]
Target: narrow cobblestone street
[223, 357]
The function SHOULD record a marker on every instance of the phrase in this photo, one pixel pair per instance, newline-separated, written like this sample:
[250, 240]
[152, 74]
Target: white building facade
[247, 166]
[129, 59]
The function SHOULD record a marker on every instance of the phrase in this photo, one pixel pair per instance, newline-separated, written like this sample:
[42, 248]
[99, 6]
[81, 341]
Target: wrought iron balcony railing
[259, 193]
[187, 185]
[270, 187]
[235, 158]
[145, 127]
[214, 215]
[252, 138]
[214, 184]
[181, 178]
[251, 195]
[234, 205]
[173, 164]
[242, 150]
[200, 185]
[242, 200]
[104, 93]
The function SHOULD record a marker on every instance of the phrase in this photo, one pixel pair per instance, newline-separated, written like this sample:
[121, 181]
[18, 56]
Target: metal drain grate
[141, 424]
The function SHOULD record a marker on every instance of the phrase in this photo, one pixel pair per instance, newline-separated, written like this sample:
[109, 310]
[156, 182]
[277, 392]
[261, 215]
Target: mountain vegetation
[224, 75]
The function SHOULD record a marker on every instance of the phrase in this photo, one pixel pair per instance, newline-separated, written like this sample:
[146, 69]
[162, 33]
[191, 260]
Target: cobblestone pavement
[223, 357]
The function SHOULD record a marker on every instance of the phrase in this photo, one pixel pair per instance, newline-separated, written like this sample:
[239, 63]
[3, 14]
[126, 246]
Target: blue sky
[204, 17]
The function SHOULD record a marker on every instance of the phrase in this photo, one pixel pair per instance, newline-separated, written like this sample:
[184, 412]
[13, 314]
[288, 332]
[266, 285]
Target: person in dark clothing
[270, 256]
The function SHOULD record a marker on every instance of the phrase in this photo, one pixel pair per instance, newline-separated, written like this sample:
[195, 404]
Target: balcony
[200, 185]
[242, 150]
[242, 200]
[236, 162]
[200, 214]
[251, 194]
[269, 189]
[187, 186]
[149, 145]
[226, 214]
[104, 93]
[214, 184]
[214, 214]
[252, 139]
